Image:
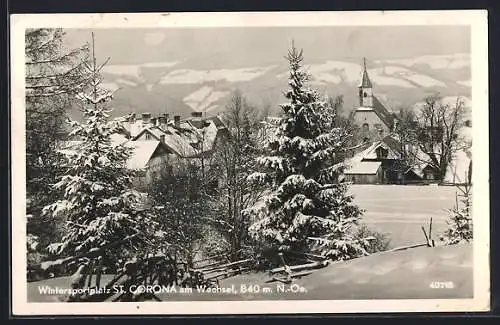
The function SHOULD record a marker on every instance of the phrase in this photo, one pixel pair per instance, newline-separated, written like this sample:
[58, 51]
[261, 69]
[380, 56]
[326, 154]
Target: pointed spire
[365, 80]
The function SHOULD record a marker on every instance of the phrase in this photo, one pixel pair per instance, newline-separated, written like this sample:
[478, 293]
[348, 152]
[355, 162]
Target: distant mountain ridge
[175, 88]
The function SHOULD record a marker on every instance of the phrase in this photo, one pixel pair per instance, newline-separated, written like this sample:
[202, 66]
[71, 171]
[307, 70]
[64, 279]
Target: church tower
[365, 89]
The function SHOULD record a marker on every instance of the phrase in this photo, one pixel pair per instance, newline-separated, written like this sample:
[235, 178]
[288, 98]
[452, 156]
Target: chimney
[177, 120]
[162, 122]
[166, 116]
[154, 121]
[131, 118]
[162, 138]
[197, 115]
[146, 117]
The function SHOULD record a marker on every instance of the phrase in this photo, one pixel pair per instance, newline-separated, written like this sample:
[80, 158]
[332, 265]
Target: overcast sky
[260, 45]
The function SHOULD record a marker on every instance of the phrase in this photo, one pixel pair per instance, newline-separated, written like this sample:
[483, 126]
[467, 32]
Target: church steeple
[365, 80]
[365, 89]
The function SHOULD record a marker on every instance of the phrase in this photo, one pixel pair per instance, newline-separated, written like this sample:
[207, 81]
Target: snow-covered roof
[219, 123]
[360, 155]
[421, 162]
[156, 132]
[364, 167]
[388, 142]
[179, 141]
[186, 140]
[142, 151]
[141, 154]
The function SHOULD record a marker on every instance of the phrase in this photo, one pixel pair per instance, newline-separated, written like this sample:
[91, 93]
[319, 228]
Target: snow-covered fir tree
[98, 202]
[460, 226]
[306, 207]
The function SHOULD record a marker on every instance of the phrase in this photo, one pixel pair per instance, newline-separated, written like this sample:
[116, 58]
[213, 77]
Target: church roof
[382, 112]
[365, 80]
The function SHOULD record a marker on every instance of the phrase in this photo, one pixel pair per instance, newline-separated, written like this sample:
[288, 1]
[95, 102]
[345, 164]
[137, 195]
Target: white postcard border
[477, 19]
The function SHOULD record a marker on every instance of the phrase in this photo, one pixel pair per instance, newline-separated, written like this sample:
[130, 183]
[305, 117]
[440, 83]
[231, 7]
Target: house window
[366, 127]
[147, 136]
[365, 95]
[382, 153]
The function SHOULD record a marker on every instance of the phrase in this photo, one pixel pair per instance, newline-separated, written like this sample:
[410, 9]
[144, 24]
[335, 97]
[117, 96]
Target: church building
[378, 158]
[371, 116]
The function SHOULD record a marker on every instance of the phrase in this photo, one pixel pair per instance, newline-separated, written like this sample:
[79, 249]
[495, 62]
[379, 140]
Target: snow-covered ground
[415, 273]
[400, 211]
[397, 210]
[407, 274]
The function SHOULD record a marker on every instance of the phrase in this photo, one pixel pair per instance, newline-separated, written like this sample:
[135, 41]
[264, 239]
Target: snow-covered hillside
[451, 61]
[182, 88]
[202, 99]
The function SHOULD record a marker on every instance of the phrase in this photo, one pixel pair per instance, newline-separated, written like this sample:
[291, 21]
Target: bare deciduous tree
[405, 130]
[236, 162]
[435, 130]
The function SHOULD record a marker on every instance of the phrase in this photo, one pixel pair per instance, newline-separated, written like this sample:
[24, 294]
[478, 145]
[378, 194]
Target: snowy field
[419, 273]
[400, 211]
